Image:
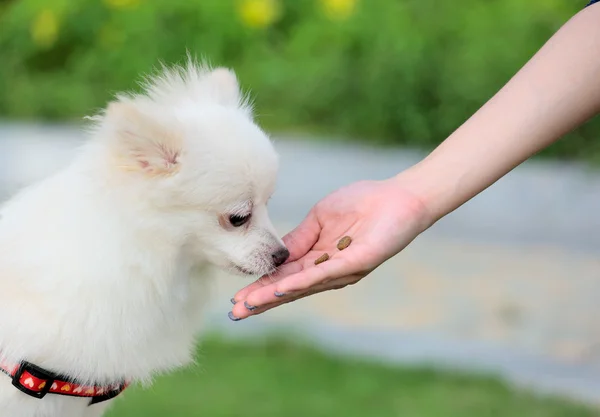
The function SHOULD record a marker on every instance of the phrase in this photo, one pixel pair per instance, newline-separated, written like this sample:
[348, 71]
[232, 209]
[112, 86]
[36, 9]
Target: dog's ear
[224, 86]
[139, 142]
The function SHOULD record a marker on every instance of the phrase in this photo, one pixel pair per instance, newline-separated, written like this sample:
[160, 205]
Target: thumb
[300, 240]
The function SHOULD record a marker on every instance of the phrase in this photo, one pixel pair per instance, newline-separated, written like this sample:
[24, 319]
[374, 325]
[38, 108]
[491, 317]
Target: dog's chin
[247, 272]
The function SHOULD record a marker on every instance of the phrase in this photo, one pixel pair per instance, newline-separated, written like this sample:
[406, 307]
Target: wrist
[434, 190]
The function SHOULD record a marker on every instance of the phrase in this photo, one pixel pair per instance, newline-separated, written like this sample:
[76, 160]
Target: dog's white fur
[99, 263]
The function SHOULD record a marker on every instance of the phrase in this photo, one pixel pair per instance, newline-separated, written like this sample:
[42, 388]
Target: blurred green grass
[274, 378]
[393, 72]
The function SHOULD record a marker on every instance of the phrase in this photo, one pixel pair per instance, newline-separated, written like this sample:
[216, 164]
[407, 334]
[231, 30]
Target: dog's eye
[237, 220]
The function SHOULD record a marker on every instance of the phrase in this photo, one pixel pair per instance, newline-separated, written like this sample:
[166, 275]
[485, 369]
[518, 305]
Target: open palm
[381, 218]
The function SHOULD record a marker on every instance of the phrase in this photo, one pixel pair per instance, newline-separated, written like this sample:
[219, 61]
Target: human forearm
[556, 91]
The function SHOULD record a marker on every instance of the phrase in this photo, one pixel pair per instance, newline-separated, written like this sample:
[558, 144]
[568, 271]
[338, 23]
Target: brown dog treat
[322, 258]
[344, 242]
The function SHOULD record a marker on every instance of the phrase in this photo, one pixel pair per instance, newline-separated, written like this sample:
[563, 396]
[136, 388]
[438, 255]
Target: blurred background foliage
[393, 72]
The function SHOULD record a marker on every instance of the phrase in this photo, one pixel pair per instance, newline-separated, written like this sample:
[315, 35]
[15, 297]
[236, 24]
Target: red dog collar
[37, 382]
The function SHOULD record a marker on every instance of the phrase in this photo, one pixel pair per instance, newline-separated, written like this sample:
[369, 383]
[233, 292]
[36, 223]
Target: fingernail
[233, 301]
[232, 317]
[279, 294]
[248, 306]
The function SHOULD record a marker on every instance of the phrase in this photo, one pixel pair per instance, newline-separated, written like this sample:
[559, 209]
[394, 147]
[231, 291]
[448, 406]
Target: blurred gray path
[508, 283]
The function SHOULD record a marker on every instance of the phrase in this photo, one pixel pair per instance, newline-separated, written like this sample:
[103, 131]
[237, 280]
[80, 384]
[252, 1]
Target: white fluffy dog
[99, 263]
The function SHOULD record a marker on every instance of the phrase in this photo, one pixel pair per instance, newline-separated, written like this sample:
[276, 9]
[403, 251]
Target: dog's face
[227, 182]
[230, 182]
[191, 144]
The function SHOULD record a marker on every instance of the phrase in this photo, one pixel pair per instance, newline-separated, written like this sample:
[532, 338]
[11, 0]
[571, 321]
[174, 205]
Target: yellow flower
[338, 9]
[121, 4]
[44, 29]
[259, 13]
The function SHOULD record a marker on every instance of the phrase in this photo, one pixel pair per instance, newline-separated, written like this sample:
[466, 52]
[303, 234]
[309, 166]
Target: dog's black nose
[280, 256]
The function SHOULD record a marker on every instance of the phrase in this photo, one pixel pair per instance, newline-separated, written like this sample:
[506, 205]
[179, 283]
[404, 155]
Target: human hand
[381, 217]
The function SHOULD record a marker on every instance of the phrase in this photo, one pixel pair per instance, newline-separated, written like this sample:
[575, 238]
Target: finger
[282, 272]
[242, 313]
[265, 292]
[341, 265]
[300, 240]
[334, 284]
[331, 285]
